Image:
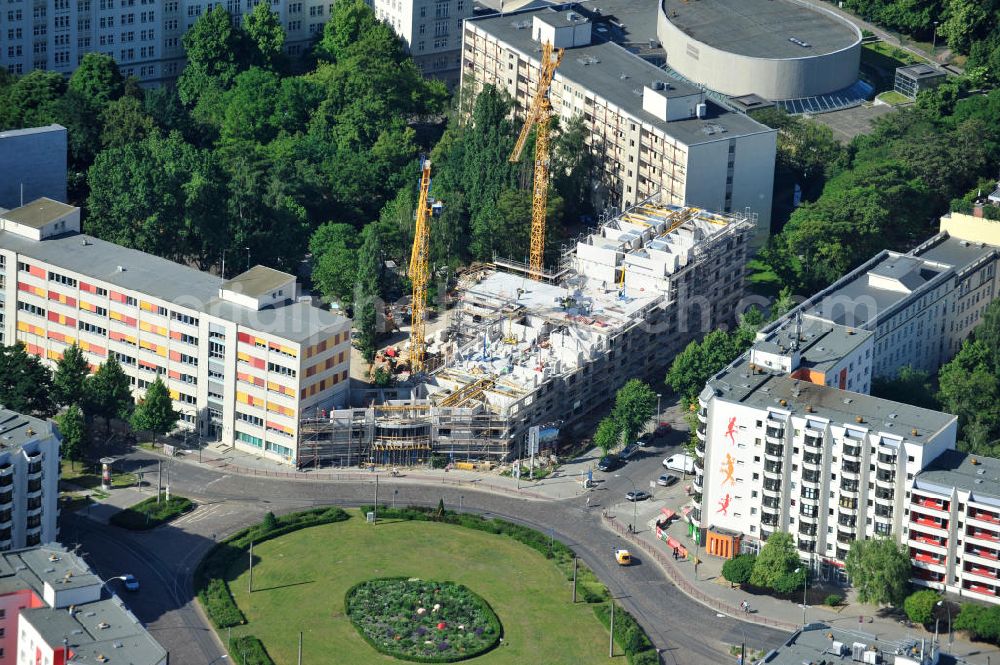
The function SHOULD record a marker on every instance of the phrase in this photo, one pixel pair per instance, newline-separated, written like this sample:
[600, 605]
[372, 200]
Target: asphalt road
[164, 559]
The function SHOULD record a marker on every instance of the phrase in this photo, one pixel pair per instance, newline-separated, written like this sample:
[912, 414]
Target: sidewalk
[114, 501]
[707, 587]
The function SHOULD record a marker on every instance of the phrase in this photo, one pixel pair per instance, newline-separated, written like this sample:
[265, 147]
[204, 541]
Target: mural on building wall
[728, 468]
[731, 432]
[724, 505]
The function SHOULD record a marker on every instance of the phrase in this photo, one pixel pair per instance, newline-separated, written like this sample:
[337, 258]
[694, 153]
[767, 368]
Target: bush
[629, 635]
[248, 649]
[219, 604]
[982, 623]
[833, 600]
[919, 606]
[212, 572]
[148, 514]
[738, 569]
[790, 583]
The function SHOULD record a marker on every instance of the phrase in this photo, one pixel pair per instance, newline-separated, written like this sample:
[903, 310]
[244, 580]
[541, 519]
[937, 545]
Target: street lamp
[635, 503]
[461, 501]
[656, 422]
[394, 493]
[951, 637]
[805, 585]
[934, 40]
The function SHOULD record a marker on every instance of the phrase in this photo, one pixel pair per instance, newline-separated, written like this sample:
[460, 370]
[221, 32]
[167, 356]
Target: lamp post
[805, 586]
[461, 502]
[635, 503]
[934, 39]
[951, 637]
[656, 421]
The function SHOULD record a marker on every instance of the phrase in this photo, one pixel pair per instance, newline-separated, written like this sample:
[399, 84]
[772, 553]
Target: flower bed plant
[421, 620]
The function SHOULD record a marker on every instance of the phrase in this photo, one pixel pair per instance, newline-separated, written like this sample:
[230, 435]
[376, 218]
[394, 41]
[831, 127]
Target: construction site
[527, 347]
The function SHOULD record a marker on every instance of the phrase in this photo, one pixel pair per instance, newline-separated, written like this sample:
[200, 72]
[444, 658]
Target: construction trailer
[520, 352]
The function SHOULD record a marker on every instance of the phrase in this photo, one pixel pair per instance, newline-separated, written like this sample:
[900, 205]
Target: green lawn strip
[213, 592]
[148, 514]
[82, 475]
[301, 579]
[894, 98]
[629, 635]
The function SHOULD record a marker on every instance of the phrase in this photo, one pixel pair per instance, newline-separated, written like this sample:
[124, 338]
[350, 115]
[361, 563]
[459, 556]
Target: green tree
[264, 31]
[25, 383]
[879, 570]
[969, 386]
[607, 435]
[334, 249]
[635, 404]
[777, 559]
[964, 19]
[348, 22]
[981, 622]
[73, 429]
[693, 366]
[911, 386]
[155, 412]
[919, 605]
[215, 52]
[368, 292]
[739, 569]
[123, 122]
[792, 582]
[97, 79]
[69, 381]
[250, 106]
[109, 392]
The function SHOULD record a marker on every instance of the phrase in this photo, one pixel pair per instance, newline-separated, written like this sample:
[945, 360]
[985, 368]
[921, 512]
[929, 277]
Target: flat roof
[920, 71]
[258, 281]
[38, 213]
[811, 643]
[17, 429]
[821, 345]
[955, 252]
[762, 28]
[28, 131]
[611, 72]
[956, 469]
[169, 281]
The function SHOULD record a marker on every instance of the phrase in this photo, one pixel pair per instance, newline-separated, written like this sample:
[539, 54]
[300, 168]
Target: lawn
[300, 580]
[87, 475]
[149, 514]
[892, 97]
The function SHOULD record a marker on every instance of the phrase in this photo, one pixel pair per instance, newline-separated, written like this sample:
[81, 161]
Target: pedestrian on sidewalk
[588, 503]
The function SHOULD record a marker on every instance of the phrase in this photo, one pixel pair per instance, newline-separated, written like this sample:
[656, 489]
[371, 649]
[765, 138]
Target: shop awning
[667, 513]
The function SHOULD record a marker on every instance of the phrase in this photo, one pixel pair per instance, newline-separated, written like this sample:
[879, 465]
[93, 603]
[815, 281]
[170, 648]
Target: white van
[683, 463]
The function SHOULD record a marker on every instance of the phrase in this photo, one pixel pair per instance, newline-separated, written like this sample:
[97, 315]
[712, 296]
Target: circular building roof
[777, 29]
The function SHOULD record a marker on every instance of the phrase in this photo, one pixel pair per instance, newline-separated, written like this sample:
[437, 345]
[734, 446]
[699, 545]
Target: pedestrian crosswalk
[205, 511]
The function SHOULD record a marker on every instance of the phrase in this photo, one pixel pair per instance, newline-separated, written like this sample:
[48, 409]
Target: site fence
[689, 589]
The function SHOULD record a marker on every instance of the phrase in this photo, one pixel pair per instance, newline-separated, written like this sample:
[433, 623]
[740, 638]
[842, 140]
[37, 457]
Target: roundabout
[352, 588]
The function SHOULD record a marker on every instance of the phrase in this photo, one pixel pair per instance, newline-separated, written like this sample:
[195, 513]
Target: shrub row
[249, 650]
[629, 635]
[148, 514]
[210, 577]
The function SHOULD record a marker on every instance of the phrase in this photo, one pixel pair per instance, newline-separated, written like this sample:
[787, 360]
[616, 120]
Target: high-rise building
[29, 481]
[143, 36]
[242, 358]
[53, 610]
[32, 164]
[649, 133]
[431, 30]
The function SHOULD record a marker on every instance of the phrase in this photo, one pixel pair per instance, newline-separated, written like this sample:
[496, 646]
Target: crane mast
[538, 116]
[420, 272]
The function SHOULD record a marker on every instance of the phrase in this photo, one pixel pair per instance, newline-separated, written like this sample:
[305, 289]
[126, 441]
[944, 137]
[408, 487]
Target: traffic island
[149, 514]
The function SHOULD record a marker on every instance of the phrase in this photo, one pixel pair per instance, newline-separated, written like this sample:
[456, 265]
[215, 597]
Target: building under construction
[521, 352]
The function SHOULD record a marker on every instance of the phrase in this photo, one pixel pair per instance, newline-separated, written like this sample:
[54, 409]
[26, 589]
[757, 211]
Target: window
[189, 339]
[122, 358]
[31, 309]
[91, 328]
[189, 360]
[247, 418]
[129, 300]
[216, 350]
[184, 318]
[252, 440]
[280, 369]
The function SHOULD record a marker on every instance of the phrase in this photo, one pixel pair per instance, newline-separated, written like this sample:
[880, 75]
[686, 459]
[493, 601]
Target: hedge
[248, 650]
[148, 514]
[210, 576]
[629, 635]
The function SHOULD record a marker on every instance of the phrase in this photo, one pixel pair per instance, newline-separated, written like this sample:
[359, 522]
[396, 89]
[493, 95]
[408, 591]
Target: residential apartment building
[791, 441]
[954, 526]
[29, 481]
[243, 358]
[53, 611]
[649, 133]
[431, 30]
[143, 36]
[32, 164]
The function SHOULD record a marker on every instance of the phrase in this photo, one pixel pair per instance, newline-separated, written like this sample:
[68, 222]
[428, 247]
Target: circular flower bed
[425, 621]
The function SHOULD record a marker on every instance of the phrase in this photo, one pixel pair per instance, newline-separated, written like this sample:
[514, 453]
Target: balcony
[934, 504]
[811, 476]
[983, 534]
[772, 475]
[982, 552]
[700, 433]
[771, 502]
[980, 571]
[923, 540]
[811, 461]
[852, 451]
[769, 520]
[983, 589]
[845, 537]
[932, 522]
[807, 545]
[696, 483]
[812, 440]
[849, 521]
[699, 450]
[984, 516]
[775, 450]
[34, 470]
[842, 553]
[883, 494]
[808, 530]
[6, 497]
[883, 511]
[812, 518]
[696, 499]
[927, 557]
[775, 435]
[849, 488]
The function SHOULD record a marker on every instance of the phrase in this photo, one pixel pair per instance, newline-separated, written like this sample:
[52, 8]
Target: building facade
[649, 136]
[143, 36]
[431, 30]
[242, 358]
[53, 610]
[32, 164]
[29, 481]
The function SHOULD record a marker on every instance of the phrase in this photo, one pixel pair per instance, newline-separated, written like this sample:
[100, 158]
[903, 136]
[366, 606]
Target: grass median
[148, 514]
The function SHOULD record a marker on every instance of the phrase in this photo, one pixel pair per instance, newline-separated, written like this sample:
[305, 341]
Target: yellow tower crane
[539, 116]
[420, 271]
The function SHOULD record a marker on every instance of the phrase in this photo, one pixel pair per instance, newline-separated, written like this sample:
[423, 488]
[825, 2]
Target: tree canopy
[635, 404]
[25, 383]
[777, 559]
[109, 391]
[69, 381]
[879, 570]
[155, 412]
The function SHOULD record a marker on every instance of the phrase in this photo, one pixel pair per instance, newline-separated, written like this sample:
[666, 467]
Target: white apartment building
[649, 133]
[29, 481]
[243, 358]
[954, 526]
[143, 36]
[431, 30]
[53, 611]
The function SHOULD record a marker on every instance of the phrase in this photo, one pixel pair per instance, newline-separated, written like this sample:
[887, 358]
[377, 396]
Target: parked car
[636, 495]
[629, 452]
[666, 480]
[130, 583]
[623, 557]
[645, 440]
[683, 463]
[609, 463]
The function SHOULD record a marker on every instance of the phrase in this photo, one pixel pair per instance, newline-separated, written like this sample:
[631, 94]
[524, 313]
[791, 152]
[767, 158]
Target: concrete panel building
[32, 165]
[650, 134]
[777, 49]
[242, 358]
[53, 610]
[431, 30]
[29, 481]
